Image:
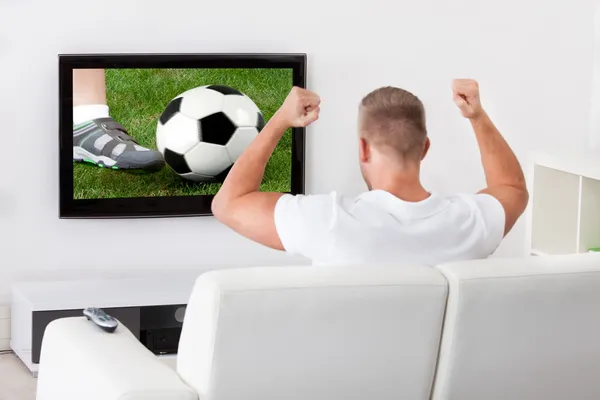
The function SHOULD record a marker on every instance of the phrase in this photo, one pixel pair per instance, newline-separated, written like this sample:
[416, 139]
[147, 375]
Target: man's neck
[404, 185]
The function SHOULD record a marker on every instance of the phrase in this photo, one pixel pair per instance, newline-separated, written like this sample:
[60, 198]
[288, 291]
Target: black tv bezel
[156, 207]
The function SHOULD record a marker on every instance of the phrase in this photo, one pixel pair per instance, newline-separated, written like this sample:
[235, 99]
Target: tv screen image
[198, 121]
[173, 128]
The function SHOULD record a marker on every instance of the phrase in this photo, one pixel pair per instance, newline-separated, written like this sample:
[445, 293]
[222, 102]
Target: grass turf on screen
[137, 98]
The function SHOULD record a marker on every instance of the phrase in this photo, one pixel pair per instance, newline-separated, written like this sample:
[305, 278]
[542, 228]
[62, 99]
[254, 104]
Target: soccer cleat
[105, 143]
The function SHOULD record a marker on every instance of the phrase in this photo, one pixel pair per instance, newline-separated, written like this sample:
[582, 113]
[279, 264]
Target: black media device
[155, 135]
[160, 328]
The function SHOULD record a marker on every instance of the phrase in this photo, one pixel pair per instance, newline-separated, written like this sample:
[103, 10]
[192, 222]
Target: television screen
[155, 135]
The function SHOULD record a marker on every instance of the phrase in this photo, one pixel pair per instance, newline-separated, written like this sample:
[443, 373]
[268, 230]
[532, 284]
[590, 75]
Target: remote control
[102, 319]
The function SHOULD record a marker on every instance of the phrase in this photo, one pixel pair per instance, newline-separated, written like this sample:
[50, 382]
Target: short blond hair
[394, 119]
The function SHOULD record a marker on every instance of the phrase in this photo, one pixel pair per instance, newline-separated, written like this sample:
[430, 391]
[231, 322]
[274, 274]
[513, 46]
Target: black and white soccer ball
[204, 130]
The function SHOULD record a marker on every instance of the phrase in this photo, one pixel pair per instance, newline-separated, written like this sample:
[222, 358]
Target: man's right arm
[503, 173]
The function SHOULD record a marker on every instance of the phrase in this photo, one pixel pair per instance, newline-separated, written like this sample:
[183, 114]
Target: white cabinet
[564, 210]
[141, 304]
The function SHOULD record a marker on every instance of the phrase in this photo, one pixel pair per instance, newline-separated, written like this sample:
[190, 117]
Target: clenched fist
[466, 97]
[300, 108]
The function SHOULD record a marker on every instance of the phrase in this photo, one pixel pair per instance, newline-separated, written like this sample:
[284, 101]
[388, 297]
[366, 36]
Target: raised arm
[503, 173]
[239, 204]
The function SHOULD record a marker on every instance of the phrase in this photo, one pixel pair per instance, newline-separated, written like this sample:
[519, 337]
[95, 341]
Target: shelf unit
[564, 208]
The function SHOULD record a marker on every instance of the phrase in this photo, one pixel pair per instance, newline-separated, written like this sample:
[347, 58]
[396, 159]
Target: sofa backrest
[526, 328]
[300, 333]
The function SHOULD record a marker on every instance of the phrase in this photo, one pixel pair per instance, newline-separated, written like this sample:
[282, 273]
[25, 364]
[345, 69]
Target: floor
[16, 382]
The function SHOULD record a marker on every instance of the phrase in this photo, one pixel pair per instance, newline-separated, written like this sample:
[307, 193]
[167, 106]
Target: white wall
[595, 102]
[533, 59]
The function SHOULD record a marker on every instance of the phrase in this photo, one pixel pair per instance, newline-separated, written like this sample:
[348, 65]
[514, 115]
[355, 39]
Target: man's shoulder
[320, 206]
[474, 200]
[331, 198]
[308, 203]
[485, 207]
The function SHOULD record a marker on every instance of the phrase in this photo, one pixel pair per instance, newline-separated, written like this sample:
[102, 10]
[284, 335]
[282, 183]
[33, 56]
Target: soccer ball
[204, 130]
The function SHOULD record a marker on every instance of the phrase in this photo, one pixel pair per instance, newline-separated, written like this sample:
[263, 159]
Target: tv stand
[152, 308]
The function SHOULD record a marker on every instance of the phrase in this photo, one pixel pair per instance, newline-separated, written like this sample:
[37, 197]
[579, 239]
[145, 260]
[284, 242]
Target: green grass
[137, 98]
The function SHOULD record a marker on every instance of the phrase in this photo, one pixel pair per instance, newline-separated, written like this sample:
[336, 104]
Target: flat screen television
[154, 135]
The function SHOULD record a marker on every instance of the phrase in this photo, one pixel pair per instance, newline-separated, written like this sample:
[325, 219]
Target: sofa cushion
[318, 333]
[526, 328]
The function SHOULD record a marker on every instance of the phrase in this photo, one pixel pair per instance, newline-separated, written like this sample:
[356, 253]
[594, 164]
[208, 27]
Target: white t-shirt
[379, 228]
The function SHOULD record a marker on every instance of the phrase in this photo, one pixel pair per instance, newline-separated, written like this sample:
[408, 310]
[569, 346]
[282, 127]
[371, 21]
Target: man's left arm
[239, 204]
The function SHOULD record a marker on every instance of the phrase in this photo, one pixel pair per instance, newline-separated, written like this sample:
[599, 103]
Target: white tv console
[144, 305]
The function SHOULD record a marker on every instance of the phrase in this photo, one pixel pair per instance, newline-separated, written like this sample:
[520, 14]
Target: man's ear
[364, 151]
[426, 148]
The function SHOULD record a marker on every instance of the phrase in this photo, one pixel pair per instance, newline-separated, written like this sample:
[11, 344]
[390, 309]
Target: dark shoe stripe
[109, 147]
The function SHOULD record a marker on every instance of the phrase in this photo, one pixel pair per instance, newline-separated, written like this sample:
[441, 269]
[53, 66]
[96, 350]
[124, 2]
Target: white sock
[88, 112]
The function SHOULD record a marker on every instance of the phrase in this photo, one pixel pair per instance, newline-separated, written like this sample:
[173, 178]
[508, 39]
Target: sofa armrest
[80, 361]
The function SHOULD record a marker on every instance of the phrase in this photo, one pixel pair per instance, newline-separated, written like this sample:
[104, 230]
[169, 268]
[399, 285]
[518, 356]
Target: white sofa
[526, 328]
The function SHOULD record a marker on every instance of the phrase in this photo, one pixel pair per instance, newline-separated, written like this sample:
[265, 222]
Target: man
[397, 221]
[97, 138]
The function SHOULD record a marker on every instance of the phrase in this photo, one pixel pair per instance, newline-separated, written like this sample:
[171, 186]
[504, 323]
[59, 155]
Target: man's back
[379, 228]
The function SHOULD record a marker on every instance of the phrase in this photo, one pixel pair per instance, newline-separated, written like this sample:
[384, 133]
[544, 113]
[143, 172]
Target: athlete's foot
[105, 143]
